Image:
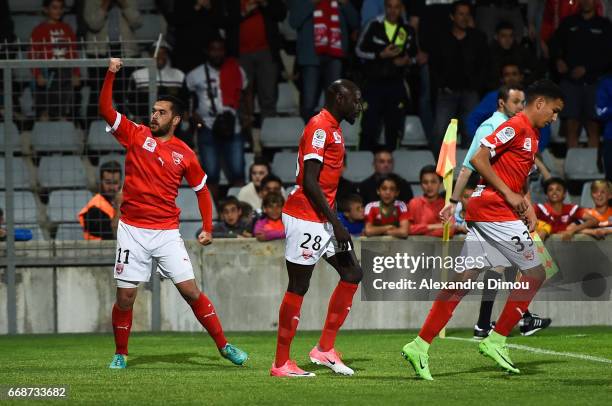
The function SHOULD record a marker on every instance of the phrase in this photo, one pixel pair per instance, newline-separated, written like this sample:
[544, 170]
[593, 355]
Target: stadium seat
[281, 132]
[188, 203]
[24, 204]
[287, 99]
[414, 134]
[64, 205]
[351, 133]
[284, 166]
[152, 26]
[581, 164]
[249, 157]
[416, 190]
[112, 157]
[408, 164]
[25, 24]
[549, 161]
[233, 191]
[16, 141]
[69, 232]
[555, 133]
[21, 174]
[56, 136]
[358, 165]
[188, 229]
[146, 5]
[100, 140]
[585, 197]
[55, 172]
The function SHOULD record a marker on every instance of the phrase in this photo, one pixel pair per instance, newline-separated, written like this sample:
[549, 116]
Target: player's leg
[483, 326]
[347, 266]
[122, 321]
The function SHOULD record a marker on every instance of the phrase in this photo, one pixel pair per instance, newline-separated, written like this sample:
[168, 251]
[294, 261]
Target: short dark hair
[272, 199]
[345, 203]
[260, 161]
[504, 25]
[215, 37]
[230, 200]
[459, 3]
[270, 178]
[47, 3]
[543, 88]
[428, 169]
[111, 167]
[552, 181]
[504, 91]
[391, 178]
[178, 107]
[509, 62]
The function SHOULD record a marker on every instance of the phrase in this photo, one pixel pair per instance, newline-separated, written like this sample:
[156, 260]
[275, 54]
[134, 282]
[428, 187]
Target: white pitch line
[542, 351]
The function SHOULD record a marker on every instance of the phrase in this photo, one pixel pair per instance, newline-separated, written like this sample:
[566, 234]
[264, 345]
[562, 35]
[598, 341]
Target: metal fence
[52, 144]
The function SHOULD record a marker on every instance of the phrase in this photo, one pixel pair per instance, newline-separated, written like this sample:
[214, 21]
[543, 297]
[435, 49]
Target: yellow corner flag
[446, 166]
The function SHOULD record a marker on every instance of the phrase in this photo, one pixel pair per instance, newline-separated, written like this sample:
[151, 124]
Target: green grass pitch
[184, 368]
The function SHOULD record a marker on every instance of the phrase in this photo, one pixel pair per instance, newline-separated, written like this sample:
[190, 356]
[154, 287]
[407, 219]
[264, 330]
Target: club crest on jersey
[149, 144]
[527, 144]
[505, 134]
[177, 158]
[318, 139]
[337, 138]
[529, 255]
[306, 253]
[119, 269]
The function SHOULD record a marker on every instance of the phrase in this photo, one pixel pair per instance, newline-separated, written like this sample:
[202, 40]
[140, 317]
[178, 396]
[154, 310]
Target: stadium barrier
[244, 278]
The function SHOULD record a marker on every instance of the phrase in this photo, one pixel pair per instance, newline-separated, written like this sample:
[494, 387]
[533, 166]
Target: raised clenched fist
[115, 64]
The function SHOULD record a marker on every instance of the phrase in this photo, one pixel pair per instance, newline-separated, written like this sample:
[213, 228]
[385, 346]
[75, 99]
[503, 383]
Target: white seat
[287, 99]
[21, 174]
[56, 172]
[152, 26]
[16, 143]
[187, 201]
[188, 229]
[24, 207]
[549, 161]
[358, 165]
[25, 24]
[56, 136]
[408, 164]
[581, 164]
[281, 132]
[65, 205]
[25, 6]
[555, 133]
[350, 133]
[414, 133]
[284, 166]
[249, 158]
[112, 157]
[586, 200]
[416, 190]
[69, 232]
[100, 140]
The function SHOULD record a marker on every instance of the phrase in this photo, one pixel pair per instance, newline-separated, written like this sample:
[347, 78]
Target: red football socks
[517, 305]
[339, 307]
[122, 324]
[288, 319]
[440, 313]
[205, 313]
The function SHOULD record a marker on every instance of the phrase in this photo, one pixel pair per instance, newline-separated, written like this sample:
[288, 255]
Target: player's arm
[482, 163]
[122, 128]
[312, 190]
[205, 207]
[448, 211]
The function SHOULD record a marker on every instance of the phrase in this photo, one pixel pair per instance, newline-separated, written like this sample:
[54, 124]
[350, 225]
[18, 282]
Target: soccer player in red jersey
[314, 230]
[499, 220]
[155, 165]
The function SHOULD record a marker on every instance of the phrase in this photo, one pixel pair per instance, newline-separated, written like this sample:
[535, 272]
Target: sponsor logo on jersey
[318, 139]
[337, 138]
[527, 144]
[177, 158]
[505, 134]
[119, 269]
[149, 144]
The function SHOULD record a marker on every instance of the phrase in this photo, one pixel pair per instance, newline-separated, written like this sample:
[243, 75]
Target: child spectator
[387, 216]
[233, 225]
[560, 218]
[601, 192]
[423, 210]
[352, 214]
[270, 226]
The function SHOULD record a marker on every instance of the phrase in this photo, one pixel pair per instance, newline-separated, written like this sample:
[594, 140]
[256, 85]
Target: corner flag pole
[445, 168]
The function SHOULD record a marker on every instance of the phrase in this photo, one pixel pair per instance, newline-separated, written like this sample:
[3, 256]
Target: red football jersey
[153, 173]
[374, 216]
[512, 146]
[570, 213]
[321, 140]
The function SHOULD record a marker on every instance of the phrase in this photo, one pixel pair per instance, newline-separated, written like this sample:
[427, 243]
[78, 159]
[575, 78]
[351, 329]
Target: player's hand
[205, 238]
[115, 64]
[517, 202]
[530, 219]
[447, 212]
[343, 237]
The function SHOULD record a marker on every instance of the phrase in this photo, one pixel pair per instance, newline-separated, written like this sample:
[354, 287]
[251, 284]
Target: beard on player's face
[160, 130]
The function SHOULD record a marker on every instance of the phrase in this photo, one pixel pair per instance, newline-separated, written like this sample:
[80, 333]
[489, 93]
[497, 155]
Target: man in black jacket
[383, 166]
[388, 47]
